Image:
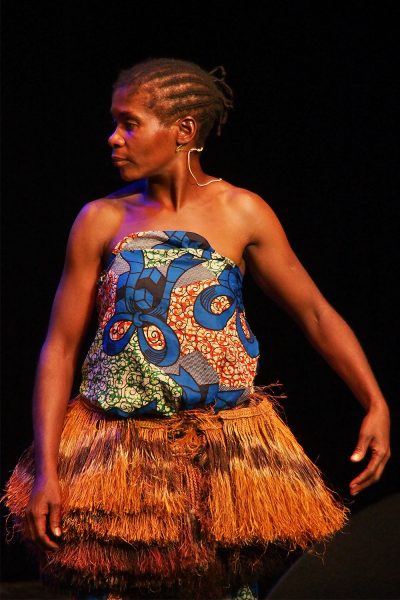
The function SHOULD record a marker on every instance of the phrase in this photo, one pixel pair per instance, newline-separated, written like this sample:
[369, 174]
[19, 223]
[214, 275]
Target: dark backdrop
[313, 132]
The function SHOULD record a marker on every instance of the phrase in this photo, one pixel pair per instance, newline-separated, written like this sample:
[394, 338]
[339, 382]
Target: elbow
[317, 316]
[59, 348]
[318, 319]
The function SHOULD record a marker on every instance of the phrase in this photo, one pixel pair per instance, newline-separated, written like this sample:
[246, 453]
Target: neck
[180, 184]
[171, 192]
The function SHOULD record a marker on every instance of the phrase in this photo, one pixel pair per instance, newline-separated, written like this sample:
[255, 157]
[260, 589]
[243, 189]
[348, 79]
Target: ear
[187, 130]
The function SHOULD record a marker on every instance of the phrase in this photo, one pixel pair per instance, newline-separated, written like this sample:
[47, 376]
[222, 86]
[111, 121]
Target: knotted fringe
[188, 504]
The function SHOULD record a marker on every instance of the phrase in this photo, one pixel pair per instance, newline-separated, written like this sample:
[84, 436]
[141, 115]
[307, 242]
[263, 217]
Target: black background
[313, 132]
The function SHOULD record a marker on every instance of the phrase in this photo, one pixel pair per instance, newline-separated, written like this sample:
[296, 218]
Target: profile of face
[141, 145]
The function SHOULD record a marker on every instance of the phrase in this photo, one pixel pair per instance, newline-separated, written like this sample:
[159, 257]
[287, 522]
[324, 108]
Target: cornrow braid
[177, 88]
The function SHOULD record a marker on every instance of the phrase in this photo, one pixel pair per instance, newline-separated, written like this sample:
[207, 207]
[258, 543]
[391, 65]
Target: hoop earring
[191, 172]
[180, 148]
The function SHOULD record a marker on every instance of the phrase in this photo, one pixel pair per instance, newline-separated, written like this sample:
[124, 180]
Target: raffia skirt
[188, 506]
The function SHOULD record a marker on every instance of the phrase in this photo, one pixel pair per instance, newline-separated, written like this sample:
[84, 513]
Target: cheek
[160, 149]
[163, 140]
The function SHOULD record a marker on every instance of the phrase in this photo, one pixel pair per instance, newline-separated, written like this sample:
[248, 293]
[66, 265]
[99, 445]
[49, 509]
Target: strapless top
[172, 332]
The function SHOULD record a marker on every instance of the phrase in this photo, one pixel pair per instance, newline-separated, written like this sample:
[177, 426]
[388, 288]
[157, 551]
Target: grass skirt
[187, 507]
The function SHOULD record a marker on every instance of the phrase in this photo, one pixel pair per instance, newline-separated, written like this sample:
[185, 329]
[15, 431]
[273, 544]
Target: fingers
[371, 473]
[55, 519]
[374, 437]
[41, 534]
[361, 451]
[361, 448]
[38, 529]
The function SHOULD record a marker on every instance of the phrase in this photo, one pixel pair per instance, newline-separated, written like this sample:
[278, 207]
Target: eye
[124, 124]
[130, 125]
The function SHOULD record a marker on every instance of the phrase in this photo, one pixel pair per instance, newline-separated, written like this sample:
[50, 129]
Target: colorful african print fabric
[172, 329]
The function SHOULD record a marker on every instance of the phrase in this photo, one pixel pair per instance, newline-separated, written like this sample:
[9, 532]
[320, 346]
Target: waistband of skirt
[263, 399]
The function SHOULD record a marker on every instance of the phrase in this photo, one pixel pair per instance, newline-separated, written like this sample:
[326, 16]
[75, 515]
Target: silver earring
[191, 172]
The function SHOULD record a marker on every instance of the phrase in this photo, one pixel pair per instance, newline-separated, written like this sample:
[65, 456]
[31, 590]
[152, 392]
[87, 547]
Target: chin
[127, 177]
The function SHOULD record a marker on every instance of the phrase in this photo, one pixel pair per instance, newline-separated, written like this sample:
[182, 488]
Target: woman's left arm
[277, 270]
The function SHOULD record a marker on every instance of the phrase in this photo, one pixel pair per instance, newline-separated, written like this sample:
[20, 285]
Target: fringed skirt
[188, 506]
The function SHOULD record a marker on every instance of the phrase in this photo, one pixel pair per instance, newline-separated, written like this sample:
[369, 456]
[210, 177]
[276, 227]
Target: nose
[115, 139]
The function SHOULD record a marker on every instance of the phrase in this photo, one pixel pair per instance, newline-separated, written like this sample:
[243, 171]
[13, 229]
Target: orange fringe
[155, 502]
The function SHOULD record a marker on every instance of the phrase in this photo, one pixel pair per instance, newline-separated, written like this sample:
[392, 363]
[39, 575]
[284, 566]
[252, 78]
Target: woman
[171, 475]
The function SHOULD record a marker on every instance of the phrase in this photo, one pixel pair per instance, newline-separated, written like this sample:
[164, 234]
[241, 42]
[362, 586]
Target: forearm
[332, 337]
[52, 391]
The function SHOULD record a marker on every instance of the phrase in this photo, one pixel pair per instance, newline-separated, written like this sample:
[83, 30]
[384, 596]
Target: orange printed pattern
[222, 349]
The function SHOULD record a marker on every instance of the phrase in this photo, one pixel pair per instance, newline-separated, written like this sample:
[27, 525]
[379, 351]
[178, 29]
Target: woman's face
[141, 146]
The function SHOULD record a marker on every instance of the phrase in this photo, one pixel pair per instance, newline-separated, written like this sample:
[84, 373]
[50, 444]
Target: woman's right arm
[70, 315]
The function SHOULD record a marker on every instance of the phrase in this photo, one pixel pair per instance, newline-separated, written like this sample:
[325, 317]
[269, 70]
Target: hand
[43, 514]
[374, 435]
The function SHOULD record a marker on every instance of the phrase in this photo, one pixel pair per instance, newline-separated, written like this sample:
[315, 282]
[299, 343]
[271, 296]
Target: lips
[118, 160]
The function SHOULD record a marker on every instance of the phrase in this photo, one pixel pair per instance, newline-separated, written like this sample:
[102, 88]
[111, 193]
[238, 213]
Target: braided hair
[177, 88]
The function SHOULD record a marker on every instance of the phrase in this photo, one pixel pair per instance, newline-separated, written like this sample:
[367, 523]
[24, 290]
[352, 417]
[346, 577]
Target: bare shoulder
[92, 228]
[98, 219]
[252, 213]
[102, 216]
[97, 214]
